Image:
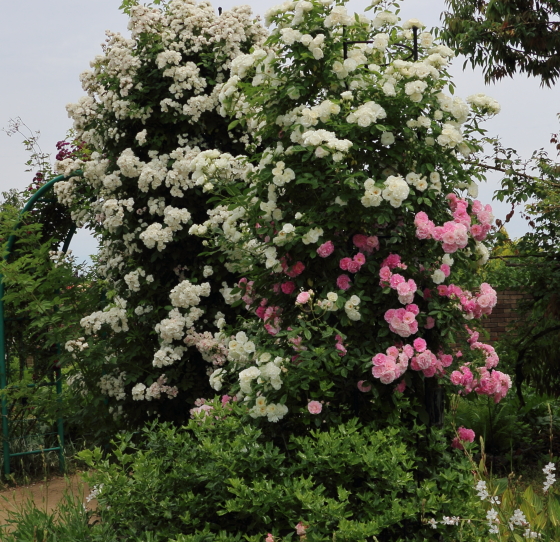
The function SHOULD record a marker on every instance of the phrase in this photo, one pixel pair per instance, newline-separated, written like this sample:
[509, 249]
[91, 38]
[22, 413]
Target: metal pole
[3, 385]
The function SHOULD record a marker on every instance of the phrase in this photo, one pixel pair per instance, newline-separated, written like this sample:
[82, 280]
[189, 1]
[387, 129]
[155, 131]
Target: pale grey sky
[44, 46]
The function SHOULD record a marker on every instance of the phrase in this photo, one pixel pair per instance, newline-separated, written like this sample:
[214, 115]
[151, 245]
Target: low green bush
[221, 478]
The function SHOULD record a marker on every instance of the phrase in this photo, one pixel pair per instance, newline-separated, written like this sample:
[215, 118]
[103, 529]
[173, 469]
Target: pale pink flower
[269, 538]
[326, 249]
[314, 407]
[301, 528]
[360, 258]
[419, 345]
[303, 298]
[353, 267]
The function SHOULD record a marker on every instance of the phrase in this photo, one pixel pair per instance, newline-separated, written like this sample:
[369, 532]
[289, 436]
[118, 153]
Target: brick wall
[503, 313]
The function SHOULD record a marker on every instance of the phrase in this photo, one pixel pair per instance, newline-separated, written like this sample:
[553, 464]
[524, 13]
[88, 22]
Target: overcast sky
[45, 45]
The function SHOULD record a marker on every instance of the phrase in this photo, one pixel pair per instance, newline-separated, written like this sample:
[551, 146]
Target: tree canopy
[506, 37]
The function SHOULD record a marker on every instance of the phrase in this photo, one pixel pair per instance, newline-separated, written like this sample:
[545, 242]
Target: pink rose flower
[363, 386]
[326, 249]
[419, 345]
[401, 386]
[466, 435]
[302, 298]
[343, 282]
[314, 407]
[359, 240]
[301, 528]
[295, 270]
[360, 258]
[353, 267]
[288, 287]
[344, 263]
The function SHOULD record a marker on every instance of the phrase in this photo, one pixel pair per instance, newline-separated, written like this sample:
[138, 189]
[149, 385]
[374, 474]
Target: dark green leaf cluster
[505, 37]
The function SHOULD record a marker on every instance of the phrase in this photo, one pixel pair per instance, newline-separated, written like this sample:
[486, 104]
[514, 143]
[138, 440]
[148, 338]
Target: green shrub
[222, 479]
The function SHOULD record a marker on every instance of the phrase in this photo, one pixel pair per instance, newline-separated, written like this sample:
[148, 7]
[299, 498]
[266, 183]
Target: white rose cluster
[324, 138]
[240, 348]
[484, 104]
[273, 412]
[112, 385]
[396, 190]
[186, 294]
[113, 316]
[366, 114]
[312, 236]
[351, 308]
[329, 304]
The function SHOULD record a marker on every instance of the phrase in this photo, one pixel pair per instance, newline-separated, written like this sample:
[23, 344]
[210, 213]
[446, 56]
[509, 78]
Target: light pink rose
[314, 407]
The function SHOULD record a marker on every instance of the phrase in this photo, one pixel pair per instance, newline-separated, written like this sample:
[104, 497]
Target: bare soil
[45, 495]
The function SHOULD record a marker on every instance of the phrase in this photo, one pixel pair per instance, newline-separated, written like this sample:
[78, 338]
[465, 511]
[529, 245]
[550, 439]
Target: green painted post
[3, 385]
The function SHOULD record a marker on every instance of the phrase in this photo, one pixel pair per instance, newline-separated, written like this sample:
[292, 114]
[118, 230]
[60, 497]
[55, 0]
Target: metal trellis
[4, 366]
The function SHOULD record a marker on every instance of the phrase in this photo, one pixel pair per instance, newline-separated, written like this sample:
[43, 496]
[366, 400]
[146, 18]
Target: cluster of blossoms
[454, 234]
[142, 187]
[550, 476]
[155, 391]
[112, 385]
[474, 306]
[494, 383]
[392, 365]
[463, 435]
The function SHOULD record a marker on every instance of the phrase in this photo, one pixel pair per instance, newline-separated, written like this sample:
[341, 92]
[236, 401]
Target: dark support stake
[219, 11]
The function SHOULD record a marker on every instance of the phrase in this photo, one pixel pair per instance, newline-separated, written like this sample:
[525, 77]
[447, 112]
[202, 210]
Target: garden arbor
[9, 359]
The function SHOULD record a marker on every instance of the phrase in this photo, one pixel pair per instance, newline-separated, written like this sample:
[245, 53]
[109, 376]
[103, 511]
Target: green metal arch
[3, 368]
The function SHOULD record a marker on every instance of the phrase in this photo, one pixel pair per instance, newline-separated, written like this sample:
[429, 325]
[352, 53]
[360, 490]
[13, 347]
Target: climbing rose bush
[157, 141]
[355, 220]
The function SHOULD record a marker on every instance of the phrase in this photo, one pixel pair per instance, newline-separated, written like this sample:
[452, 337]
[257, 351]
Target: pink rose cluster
[393, 261]
[485, 218]
[340, 346]
[353, 265]
[365, 243]
[403, 321]
[405, 288]
[473, 306]
[464, 435]
[247, 288]
[390, 366]
[454, 234]
[489, 351]
[270, 315]
[494, 384]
